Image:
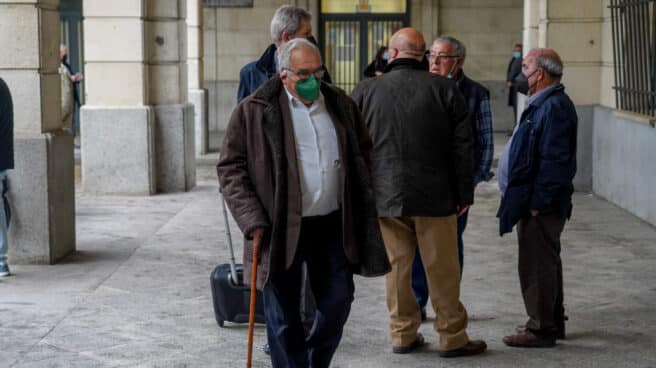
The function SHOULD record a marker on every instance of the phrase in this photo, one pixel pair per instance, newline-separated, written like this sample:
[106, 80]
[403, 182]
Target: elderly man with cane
[294, 172]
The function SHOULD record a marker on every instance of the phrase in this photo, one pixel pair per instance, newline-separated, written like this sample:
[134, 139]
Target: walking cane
[251, 314]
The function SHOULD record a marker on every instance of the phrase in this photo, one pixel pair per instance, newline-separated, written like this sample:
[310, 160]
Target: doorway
[351, 32]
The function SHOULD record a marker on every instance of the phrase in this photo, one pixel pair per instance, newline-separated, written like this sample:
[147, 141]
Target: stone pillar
[532, 34]
[42, 187]
[197, 92]
[425, 16]
[137, 127]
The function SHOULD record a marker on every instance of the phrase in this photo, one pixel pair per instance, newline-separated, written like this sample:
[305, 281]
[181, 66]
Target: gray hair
[288, 19]
[458, 47]
[553, 67]
[285, 52]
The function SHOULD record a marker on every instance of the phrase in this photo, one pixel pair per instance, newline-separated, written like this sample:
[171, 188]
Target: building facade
[161, 80]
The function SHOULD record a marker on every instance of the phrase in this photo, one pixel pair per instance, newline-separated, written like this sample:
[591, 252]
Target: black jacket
[422, 159]
[514, 69]
[6, 128]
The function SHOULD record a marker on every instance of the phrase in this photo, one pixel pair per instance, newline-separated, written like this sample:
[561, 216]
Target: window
[363, 6]
[634, 55]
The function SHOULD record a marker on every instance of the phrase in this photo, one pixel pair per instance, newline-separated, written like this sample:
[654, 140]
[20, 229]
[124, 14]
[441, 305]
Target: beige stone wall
[233, 37]
[607, 76]
[488, 28]
[29, 35]
[573, 29]
[580, 31]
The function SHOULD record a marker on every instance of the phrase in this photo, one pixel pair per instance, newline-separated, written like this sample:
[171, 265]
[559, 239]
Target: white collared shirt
[317, 156]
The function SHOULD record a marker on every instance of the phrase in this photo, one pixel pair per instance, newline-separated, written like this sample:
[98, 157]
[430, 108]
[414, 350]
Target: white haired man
[293, 171]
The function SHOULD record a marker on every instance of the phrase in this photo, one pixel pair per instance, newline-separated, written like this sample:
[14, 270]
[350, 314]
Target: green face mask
[308, 89]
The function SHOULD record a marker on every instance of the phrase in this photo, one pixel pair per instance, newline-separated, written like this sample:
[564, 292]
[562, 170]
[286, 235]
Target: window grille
[634, 55]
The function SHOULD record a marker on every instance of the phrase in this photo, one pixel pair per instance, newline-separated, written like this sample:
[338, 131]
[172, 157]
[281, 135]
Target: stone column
[137, 127]
[42, 188]
[197, 92]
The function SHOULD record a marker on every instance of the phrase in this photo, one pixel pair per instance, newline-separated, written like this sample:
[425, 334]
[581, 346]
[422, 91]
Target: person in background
[514, 70]
[377, 66]
[75, 79]
[6, 163]
[447, 57]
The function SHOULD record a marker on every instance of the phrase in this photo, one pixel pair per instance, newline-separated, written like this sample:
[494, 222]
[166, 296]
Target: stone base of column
[176, 156]
[118, 150]
[198, 98]
[42, 199]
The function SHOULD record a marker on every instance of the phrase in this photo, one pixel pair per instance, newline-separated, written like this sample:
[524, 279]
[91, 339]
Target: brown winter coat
[260, 181]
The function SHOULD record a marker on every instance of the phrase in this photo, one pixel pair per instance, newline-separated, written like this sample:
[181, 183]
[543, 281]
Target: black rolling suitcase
[230, 297]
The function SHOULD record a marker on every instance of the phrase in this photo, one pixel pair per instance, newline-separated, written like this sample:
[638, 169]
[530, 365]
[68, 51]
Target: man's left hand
[535, 213]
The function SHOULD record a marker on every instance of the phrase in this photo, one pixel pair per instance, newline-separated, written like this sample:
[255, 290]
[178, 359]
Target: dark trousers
[541, 270]
[331, 281]
[419, 283]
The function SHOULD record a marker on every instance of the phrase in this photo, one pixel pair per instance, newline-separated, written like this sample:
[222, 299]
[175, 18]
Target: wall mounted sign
[228, 3]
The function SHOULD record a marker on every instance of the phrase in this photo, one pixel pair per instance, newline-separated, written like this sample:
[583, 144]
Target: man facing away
[422, 169]
[6, 163]
[288, 22]
[293, 169]
[535, 180]
[447, 56]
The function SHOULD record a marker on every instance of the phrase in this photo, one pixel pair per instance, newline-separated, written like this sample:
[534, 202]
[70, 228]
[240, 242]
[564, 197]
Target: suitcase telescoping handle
[257, 239]
[233, 266]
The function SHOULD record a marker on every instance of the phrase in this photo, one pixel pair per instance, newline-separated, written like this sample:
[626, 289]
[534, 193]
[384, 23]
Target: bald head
[547, 59]
[542, 67]
[407, 43]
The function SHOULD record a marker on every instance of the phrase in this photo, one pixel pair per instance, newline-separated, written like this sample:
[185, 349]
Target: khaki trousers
[436, 239]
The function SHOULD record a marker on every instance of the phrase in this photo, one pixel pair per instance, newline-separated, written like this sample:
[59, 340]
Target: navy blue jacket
[6, 128]
[541, 161]
[255, 73]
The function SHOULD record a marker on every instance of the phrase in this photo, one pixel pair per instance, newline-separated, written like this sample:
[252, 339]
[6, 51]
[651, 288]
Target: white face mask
[453, 68]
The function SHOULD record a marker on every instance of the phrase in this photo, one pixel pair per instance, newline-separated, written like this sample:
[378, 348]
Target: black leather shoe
[419, 342]
[560, 328]
[423, 314]
[473, 347]
[266, 349]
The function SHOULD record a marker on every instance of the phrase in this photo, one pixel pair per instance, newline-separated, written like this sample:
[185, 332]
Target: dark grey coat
[422, 159]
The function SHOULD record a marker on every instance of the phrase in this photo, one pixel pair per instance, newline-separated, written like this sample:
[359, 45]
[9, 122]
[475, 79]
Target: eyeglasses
[441, 57]
[305, 74]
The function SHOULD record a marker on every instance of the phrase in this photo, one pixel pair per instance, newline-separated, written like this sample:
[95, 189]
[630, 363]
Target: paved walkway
[136, 294]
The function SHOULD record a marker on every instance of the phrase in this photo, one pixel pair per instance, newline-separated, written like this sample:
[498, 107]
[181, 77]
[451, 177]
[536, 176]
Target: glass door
[349, 40]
